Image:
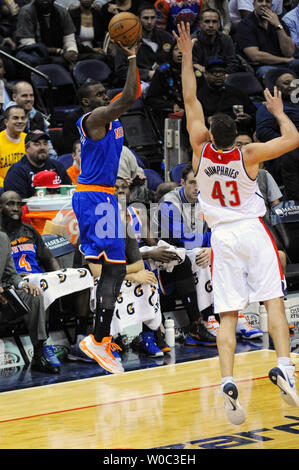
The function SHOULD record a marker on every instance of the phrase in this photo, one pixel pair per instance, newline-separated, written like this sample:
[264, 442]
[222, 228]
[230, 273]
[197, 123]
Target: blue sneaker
[46, 361]
[75, 353]
[245, 330]
[148, 345]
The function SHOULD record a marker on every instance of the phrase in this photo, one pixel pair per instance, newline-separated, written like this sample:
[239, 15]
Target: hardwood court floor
[173, 406]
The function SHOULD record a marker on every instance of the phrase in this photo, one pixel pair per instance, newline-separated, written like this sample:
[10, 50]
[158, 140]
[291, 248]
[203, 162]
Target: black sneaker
[199, 334]
[233, 408]
[160, 341]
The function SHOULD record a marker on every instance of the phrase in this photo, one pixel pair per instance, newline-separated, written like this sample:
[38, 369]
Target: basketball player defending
[96, 209]
[245, 263]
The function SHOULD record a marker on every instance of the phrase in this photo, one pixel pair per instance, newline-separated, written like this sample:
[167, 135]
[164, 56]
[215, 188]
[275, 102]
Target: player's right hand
[129, 50]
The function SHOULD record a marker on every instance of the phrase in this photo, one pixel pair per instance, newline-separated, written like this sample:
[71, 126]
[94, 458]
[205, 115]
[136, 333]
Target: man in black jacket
[217, 97]
[154, 49]
[212, 42]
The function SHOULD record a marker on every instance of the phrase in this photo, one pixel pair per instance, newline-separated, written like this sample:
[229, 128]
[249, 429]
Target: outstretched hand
[183, 38]
[273, 102]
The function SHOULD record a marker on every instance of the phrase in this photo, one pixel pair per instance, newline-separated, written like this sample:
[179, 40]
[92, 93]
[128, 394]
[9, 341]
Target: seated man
[179, 279]
[212, 42]
[44, 359]
[217, 97]
[23, 95]
[135, 273]
[28, 250]
[74, 170]
[285, 169]
[12, 139]
[20, 175]
[264, 39]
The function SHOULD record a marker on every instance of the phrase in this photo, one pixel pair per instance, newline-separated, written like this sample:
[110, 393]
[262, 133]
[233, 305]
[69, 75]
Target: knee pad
[110, 283]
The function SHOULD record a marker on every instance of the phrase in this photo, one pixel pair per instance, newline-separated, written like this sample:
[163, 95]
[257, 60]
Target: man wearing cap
[20, 176]
[217, 97]
[12, 138]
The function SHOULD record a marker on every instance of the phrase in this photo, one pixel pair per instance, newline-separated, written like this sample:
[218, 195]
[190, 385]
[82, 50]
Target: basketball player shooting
[101, 136]
[245, 266]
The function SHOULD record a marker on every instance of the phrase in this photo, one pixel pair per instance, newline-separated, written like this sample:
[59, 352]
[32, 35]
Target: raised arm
[195, 119]
[289, 139]
[98, 119]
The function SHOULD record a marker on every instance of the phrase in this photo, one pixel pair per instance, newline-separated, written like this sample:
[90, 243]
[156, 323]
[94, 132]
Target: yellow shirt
[10, 153]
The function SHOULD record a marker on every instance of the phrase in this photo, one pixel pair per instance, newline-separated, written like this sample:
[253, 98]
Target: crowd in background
[241, 47]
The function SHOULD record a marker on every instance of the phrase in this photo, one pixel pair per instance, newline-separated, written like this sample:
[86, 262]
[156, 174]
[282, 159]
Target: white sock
[226, 380]
[284, 361]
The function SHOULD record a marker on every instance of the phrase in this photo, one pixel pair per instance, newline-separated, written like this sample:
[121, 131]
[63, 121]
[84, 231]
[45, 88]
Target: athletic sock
[284, 361]
[225, 380]
[103, 324]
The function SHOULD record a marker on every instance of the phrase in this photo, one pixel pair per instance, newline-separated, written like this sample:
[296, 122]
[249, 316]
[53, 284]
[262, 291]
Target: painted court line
[123, 401]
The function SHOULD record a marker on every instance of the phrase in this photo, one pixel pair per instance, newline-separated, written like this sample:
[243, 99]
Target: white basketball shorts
[245, 265]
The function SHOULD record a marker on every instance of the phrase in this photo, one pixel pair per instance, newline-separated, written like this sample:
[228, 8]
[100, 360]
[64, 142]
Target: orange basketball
[125, 28]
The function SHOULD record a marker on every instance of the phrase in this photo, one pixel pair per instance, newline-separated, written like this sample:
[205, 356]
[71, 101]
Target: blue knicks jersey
[24, 256]
[100, 158]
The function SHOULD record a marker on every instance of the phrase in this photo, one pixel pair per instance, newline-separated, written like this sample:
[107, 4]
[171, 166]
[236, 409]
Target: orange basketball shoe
[105, 353]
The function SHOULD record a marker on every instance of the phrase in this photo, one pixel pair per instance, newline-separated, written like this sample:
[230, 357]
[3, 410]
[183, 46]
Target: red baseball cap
[49, 179]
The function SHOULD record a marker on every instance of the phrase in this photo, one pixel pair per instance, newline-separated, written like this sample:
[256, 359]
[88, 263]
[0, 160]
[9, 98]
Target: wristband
[132, 57]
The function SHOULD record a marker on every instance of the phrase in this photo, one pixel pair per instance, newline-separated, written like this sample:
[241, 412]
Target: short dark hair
[210, 10]
[224, 130]
[145, 6]
[186, 170]
[76, 142]
[84, 90]
[6, 113]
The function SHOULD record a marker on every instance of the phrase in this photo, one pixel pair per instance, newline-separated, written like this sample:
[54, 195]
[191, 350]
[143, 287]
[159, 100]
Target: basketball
[125, 28]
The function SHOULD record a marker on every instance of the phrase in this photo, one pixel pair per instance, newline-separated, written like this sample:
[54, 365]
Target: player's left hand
[184, 41]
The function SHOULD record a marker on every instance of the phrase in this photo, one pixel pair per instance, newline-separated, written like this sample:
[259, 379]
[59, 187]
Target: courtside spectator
[36, 159]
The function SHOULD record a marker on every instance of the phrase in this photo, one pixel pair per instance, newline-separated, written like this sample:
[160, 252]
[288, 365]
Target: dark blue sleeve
[266, 125]
[16, 180]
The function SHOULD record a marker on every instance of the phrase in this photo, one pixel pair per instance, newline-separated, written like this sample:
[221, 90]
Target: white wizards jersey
[226, 192]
